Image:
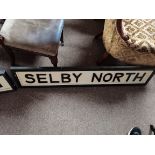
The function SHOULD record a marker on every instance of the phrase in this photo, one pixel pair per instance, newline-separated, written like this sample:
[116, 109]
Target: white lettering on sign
[58, 78]
[4, 85]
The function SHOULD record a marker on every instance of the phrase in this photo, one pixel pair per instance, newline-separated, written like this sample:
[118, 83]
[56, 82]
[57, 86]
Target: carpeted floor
[96, 110]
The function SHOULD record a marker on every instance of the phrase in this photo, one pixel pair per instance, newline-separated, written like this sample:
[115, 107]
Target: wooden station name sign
[52, 77]
[46, 77]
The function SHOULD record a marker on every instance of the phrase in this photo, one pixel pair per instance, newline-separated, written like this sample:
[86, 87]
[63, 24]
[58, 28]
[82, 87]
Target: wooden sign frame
[74, 76]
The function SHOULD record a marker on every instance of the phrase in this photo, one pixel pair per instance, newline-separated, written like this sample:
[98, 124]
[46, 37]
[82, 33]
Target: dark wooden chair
[40, 36]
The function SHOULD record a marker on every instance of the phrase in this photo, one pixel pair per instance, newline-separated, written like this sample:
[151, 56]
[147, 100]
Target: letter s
[30, 78]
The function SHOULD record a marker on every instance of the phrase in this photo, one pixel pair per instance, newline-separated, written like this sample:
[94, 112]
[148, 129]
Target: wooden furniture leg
[54, 60]
[98, 35]
[11, 54]
[102, 58]
[8, 50]
[62, 38]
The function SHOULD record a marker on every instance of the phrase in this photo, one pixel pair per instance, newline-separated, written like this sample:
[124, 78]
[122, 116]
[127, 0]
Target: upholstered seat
[38, 35]
[131, 40]
[141, 34]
